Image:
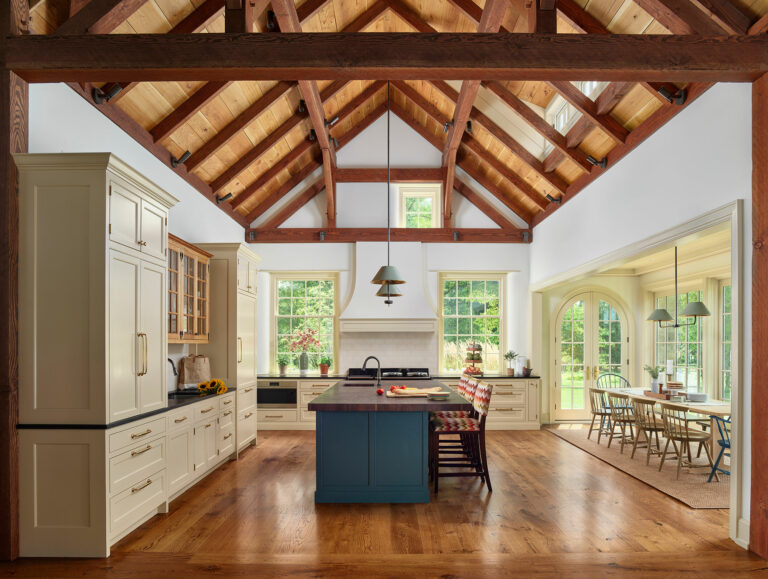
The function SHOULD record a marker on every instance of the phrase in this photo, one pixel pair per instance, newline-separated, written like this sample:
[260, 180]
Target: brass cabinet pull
[240, 357]
[507, 409]
[206, 410]
[208, 425]
[145, 485]
[182, 419]
[509, 393]
[146, 354]
[227, 402]
[248, 415]
[227, 436]
[247, 390]
[140, 434]
[272, 416]
[141, 337]
[227, 413]
[142, 451]
[142, 243]
[316, 393]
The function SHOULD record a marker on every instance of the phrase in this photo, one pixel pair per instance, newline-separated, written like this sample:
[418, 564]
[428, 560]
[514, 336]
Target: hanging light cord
[388, 175]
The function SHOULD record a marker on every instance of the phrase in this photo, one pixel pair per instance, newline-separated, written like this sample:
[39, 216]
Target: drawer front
[316, 385]
[226, 440]
[136, 434]
[136, 464]
[506, 414]
[227, 417]
[246, 398]
[206, 409]
[180, 418]
[138, 500]
[277, 415]
[509, 397]
[307, 415]
[246, 427]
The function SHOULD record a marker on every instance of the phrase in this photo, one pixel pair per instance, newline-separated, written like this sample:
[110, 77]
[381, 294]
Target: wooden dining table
[719, 408]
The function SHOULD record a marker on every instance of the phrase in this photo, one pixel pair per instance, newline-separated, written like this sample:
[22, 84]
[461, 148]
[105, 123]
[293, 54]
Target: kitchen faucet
[378, 372]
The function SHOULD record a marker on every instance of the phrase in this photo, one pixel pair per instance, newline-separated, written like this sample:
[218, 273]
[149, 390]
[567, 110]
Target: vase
[303, 363]
[282, 368]
[655, 386]
[323, 369]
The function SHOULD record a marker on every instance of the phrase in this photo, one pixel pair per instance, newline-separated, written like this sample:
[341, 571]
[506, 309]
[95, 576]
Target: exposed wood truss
[351, 234]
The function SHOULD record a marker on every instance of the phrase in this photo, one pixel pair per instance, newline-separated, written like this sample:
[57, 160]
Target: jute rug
[692, 489]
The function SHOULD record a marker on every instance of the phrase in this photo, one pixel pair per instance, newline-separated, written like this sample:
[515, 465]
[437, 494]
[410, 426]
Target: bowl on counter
[697, 396]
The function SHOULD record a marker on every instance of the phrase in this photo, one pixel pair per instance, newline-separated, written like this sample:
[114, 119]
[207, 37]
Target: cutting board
[413, 392]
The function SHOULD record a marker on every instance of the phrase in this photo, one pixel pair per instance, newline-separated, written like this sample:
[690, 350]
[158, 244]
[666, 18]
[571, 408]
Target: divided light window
[471, 309]
[684, 346]
[725, 341]
[305, 302]
[420, 206]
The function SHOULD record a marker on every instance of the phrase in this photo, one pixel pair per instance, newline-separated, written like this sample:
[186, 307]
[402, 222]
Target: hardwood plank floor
[555, 512]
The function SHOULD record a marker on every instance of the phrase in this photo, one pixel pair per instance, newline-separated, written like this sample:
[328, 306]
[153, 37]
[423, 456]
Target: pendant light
[388, 275]
[693, 310]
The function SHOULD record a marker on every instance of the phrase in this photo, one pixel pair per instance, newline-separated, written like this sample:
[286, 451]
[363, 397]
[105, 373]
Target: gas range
[388, 373]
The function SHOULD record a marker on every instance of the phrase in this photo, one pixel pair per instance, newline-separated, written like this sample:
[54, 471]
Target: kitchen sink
[183, 393]
[360, 383]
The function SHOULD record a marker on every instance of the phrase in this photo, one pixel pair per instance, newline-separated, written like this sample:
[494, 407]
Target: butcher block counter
[372, 448]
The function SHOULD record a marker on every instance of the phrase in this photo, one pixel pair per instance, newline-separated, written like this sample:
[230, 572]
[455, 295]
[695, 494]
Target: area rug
[692, 489]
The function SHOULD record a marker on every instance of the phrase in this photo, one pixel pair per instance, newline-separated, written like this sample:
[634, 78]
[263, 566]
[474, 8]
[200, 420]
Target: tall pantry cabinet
[232, 341]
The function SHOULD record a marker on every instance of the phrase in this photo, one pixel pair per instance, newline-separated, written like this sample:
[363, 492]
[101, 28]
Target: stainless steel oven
[276, 393]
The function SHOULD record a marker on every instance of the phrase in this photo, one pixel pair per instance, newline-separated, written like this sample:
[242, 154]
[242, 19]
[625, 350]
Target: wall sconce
[302, 106]
[176, 162]
[558, 200]
[100, 96]
[447, 125]
[469, 127]
[335, 142]
[223, 198]
[678, 98]
[251, 235]
[312, 135]
[271, 21]
[526, 236]
[601, 163]
[456, 236]
[322, 235]
[332, 122]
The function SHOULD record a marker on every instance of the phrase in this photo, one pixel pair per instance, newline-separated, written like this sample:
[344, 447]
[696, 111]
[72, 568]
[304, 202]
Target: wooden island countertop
[363, 398]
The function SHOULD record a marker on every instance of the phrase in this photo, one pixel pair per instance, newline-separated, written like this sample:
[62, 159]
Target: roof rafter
[681, 17]
[295, 204]
[99, 17]
[350, 235]
[484, 206]
[187, 109]
[587, 107]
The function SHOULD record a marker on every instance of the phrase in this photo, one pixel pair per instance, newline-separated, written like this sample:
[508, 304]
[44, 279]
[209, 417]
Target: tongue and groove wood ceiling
[252, 138]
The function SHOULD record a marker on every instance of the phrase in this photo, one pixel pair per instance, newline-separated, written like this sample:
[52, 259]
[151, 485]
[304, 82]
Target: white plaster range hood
[412, 312]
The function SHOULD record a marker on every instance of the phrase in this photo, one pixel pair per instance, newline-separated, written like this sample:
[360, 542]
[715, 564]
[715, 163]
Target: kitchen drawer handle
[509, 393]
[206, 410]
[143, 243]
[272, 416]
[227, 436]
[182, 419]
[247, 390]
[208, 425]
[140, 434]
[142, 451]
[317, 393]
[248, 415]
[240, 357]
[227, 402]
[227, 413]
[507, 409]
[145, 485]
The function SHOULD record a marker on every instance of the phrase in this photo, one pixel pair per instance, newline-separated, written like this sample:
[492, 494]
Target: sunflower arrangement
[214, 386]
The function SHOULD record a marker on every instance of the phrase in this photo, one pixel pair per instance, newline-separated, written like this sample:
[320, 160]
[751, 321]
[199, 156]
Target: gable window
[684, 346]
[420, 206]
[471, 310]
[305, 301]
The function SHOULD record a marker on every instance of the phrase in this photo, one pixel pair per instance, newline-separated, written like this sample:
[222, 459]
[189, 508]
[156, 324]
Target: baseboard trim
[742, 534]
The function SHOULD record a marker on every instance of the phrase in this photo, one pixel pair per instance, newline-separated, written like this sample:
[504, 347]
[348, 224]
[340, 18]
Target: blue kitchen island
[374, 449]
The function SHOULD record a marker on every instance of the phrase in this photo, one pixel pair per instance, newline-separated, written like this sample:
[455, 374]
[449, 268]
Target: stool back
[482, 399]
[674, 418]
[621, 408]
[722, 427]
[645, 417]
[598, 400]
[612, 382]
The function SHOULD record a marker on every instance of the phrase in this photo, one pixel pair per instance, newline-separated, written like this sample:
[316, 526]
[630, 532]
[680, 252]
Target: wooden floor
[555, 511]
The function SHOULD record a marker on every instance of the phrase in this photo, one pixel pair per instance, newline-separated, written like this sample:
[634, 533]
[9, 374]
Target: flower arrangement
[653, 370]
[214, 386]
[303, 341]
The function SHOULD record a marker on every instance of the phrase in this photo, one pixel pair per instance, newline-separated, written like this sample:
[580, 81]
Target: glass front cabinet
[188, 293]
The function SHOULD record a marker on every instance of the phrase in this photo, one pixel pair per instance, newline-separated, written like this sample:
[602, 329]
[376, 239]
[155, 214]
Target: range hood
[412, 312]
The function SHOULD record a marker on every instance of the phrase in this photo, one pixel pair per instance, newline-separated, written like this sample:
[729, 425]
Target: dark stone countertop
[297, 377]
[175, 401]
[363, 398]
[485, 377]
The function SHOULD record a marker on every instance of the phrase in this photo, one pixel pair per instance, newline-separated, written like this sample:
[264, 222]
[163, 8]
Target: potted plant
[282, 363]
[654, 372]
[325, 363]
[303, 341]
[510, 358]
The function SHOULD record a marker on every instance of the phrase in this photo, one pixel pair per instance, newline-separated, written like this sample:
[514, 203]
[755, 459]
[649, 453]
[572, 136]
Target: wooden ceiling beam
[490, 21]
[352, 234]
[484, 206]
[415, 20]
[542, 16]
[539, 124]
[99, 17]
[587, 107]
[309, 9]
[578, 132]
[238, 16]
[239, 123]
[357, 102]
[294, 205]
[472, 11]
[187, 109]
[283, 190]
[681, 17]
[397, 175]
[728, 15]
[560, 57]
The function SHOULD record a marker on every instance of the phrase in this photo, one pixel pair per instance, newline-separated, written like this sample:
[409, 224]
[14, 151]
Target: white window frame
[501, 277]
[303, 275]
[430, 190]
[719, 346]
[559, 107]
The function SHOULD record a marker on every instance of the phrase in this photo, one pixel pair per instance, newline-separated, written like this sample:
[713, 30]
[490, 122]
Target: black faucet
[378, 372]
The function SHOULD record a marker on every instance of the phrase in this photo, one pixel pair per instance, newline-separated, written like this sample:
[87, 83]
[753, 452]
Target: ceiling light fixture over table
[693, 310]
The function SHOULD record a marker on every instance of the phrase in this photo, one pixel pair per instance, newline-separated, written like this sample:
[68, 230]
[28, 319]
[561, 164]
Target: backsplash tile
[407, 349]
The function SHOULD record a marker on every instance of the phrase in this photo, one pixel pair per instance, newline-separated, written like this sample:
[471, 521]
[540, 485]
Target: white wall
[699, 161]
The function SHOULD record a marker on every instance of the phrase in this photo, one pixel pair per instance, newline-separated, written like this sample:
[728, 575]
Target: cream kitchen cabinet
[92, 338]
[232, 345]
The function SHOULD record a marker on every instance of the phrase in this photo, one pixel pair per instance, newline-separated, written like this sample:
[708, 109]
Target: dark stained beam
[356, 102]
[295, 204]
[412, 18]
[681, 17]
[478, 201]
[542, 16]
[100, 17]
[561, 57]
[578, 132]
[144, 138]
[588, 108]
[351, 235]
[187, 109]
[238, 16]
[243, 120]
[611, 96]
[758, 520]
[14, 138]
[309, 9]
[283, 190]
[726, 14]
[471, 11]
[397, 175]
[760, 26]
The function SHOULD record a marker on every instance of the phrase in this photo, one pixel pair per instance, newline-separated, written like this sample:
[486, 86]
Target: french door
[591, 339]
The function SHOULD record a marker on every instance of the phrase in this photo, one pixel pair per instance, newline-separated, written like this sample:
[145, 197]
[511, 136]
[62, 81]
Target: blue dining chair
[612, 382]
[725, 444]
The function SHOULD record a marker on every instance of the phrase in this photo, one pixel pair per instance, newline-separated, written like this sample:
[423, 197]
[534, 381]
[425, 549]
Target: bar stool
[622, 416]
[647, 423]
[599, 408]
[676, 430]
[472, 431]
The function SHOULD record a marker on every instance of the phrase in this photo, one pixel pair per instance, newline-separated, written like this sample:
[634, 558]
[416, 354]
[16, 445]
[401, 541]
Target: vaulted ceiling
[259, 139]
